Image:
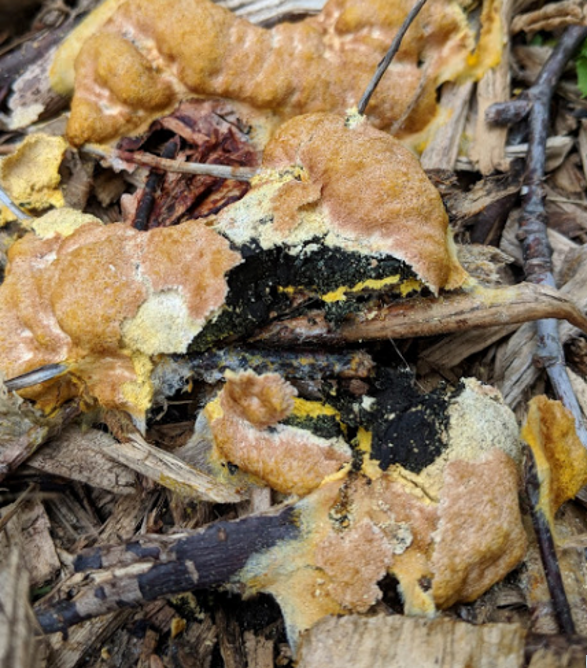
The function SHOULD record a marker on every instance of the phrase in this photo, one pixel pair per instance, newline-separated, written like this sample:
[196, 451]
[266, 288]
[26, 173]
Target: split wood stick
[430, 316]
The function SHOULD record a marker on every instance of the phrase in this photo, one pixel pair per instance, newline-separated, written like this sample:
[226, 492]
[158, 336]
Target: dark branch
[147, 201]
[155, 566]
[554, 580]
[533, 224]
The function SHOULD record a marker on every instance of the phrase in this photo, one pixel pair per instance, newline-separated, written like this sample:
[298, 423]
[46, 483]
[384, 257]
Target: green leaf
[581, 67]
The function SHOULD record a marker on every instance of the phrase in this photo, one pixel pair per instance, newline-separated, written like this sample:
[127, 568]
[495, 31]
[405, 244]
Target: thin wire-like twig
[11, 206]
[389, 56]
[532, 233]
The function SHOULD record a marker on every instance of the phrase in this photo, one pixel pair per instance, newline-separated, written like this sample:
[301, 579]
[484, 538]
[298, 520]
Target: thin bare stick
[177, 166]
[7, 149]
[11, 206]
[16, 506]
[546, 546]
[532, 233]
[389, 56]
[36, 376]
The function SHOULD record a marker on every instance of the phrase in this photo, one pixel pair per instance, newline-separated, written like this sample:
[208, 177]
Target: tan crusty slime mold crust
[107, 299]
[447, 533]
[143, 56]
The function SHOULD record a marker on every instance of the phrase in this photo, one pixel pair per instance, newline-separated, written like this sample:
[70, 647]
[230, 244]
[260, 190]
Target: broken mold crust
[360, 523]
[80, 299]
[31, 174]
[560, 456]
[243, 424]
[477, 423]
[167, 52]
[329, 200]
[358, 528]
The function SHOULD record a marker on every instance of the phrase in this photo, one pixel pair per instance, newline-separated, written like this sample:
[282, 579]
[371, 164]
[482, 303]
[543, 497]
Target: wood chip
[552, 16]
[515, 372]
[29, 529]
[443, 149]
[489, 143]
[78, 454]
[396, 642]
[19, 645]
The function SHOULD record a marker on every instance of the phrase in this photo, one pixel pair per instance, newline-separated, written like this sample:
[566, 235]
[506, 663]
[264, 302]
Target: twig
[13, 208]
[34, 377]
[210, 366]
[389, 56]
[566, 200]
[176, 166]
[16, 506]
[156, 566]
[147, 200]
[7, 149]
[465, 310]
[532, 232]
[554, 580]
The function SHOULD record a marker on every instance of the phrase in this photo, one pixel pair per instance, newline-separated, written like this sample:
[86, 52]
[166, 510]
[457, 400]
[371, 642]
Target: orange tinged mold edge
[198, 48]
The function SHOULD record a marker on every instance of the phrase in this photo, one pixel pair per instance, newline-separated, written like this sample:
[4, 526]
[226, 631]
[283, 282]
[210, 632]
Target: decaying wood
[19, 648]
[174, 372]
[23, 429]
[451, 350]
[396, 642]
[163, 467]
[259, 650]
[121, 576]
[559, 243]
[68, 651]
[482, 211]
[481, 307]
[29, 530]
[557, 149]
[229, 639]
[552, 16]
[79, 455]
[443, 149]
[533, 223]
[515, 370]
[489, 144]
